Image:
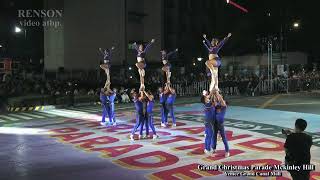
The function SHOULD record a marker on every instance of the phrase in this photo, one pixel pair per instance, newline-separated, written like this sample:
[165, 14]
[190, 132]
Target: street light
[130, 68]
[0, 46]
[296, 25]
[17, 30]
[199, 58]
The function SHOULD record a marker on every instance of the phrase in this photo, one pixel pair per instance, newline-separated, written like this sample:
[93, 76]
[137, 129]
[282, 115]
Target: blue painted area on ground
[267, 116]
[274, 117]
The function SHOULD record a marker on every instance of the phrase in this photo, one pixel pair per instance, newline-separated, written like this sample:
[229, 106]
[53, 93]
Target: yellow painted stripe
[266, 104]
[17, 109]
[30, 108]
[42, 108]
[24, 108]
[37, 108]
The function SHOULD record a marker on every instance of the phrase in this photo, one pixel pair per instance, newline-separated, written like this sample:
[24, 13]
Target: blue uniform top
[150, 105]
[220, 115]
[106, 54]
[138, 105]
[208, 106]
[214, 49]
[142, 54]
[163, 98]
[112, 97]
[103, 98]
[171, 98]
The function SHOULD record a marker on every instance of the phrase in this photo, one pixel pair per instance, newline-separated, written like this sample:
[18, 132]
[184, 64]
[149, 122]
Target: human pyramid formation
[107, 96]
[214, 104]
[143, 100]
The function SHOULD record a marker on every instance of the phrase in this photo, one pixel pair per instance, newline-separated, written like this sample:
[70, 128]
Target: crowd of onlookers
[89, 85]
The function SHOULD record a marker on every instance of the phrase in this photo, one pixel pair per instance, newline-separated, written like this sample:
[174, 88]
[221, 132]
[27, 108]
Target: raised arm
[149, 96]
[172, 52]
[172, 91]
[221, 43]
[141, 96]
[204, 42]
[101, 51]
[111, 49]
[135, 46]
[221, 100]
[148, 46]
[166, 90]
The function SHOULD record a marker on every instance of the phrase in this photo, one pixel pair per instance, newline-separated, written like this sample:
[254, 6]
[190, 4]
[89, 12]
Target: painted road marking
[97, 109]
[44, 114]
[85, 109]
[9, 118]
[20, 116]
[32, 115]
[266, 104]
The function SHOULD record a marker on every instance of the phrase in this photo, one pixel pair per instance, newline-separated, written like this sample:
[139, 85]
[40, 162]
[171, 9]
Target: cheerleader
[209, 121]
[150, 104]
[220, 111]
[106, 108]
[106, 53]
[214, 61]
[111, 97]
[163, 109]
[138, 100]
[170, 104]
[166, 65]
[141, 64]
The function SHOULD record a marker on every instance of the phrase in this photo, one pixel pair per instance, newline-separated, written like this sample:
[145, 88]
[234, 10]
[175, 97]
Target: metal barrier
[278, 85]
[196, 88]
[287, 85]
[190, 89]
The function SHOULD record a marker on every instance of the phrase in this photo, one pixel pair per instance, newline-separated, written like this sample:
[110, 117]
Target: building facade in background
[89, 25]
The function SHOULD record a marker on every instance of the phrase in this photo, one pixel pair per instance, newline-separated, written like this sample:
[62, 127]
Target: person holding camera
[297, 147]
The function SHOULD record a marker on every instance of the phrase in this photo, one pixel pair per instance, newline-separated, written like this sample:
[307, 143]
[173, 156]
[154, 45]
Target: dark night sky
[246, 27]
[285, 13]
[16, 45]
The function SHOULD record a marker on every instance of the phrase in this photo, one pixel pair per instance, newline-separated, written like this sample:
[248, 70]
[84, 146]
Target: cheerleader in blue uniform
[209, 121]
[141, 63]
[170, 104]
[106, 53]
[166, 65]
[163, 109]
[106, 108]
[150, 105]
[112, 97]
[220, 111]
[214, 61]
[138, 100]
